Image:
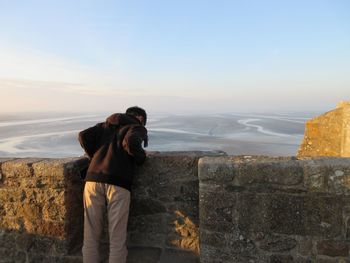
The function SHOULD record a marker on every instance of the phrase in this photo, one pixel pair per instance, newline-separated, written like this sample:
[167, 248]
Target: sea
[53, 135]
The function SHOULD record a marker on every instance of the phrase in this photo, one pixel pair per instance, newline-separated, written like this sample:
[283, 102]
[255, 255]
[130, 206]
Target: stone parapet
[261, 209]
[41, 213]
[186, 208]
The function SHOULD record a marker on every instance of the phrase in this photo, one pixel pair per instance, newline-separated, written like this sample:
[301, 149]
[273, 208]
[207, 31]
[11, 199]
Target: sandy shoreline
[233, 133]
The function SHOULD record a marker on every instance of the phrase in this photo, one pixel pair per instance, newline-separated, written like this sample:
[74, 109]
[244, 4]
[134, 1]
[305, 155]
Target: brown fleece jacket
[114, 147]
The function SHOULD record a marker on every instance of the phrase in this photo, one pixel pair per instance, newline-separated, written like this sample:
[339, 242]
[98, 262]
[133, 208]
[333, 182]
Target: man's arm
[132, 143]
[88, 141]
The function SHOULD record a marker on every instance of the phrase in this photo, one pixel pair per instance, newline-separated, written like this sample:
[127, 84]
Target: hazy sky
[211, 56]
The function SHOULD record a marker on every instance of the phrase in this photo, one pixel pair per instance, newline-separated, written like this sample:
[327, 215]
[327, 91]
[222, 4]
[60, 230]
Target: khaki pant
[96, 197]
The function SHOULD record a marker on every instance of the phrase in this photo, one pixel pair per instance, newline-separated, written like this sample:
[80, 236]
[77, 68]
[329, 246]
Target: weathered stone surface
[12, 256]
[219, 169]
[270, 171]
[328, 134]
[322, 259]
[176, 255]
[167, 169]
[232, 254]
[299, 259]
[255, 209]
[289, 214]
[271, 209]
[216, 210]
[274, 243]
[281, 259]
[143, 254]
[146, 207]
[327, 175]
[18, 168]
[305, 246]
[49, 168]
[33, 258]
[165, 198]
[35, 208]
[333, 248]
[2, 160]
[254, 173]
[41, 202]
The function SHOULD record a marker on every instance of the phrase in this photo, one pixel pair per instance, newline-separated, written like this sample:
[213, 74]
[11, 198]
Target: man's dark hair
[137, 111]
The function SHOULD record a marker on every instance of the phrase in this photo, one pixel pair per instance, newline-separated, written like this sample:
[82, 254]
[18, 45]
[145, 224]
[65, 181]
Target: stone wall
[41, 214]
[41, 210]
[346, 132]
[328, 134]
[258, 209]
[164, 222]
[185, 207]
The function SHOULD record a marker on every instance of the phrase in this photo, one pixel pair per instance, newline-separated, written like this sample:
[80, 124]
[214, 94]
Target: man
[114, 147]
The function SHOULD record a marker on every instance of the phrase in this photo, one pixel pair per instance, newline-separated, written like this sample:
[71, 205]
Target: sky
[174, 56]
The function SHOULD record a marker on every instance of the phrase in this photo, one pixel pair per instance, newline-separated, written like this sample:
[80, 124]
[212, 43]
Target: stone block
[47, 228]
[11, 223]
[69, 259]
[12, 256]
[305, 246]
[185, 191]
[176, 256]
[147, 229]
[290, 214]
[49, 168]
[75, 169]
[146, 207]
[7, 240]
[53, 212]
[221, 240]
[167, 169]
[143, 254]
[239, 252]
[304, 260]
[217, 210]
[333, 248]
[19, 168]
[347, 229]
[218, 169]
[281, 259]
[31, 212]
[214, 239]
[34, 258]
[322, 259]
[269, 171]
[327, 175]
[9, 209]
[41, 195]
[276, 243]
[25, 241]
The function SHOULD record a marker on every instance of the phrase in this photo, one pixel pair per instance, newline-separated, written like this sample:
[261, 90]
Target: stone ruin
[328, 134]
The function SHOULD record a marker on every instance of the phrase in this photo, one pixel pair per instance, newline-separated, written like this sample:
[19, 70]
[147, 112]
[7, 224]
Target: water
[55, 135]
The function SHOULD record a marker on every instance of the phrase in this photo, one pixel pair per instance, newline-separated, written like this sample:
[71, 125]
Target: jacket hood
[120, 119]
